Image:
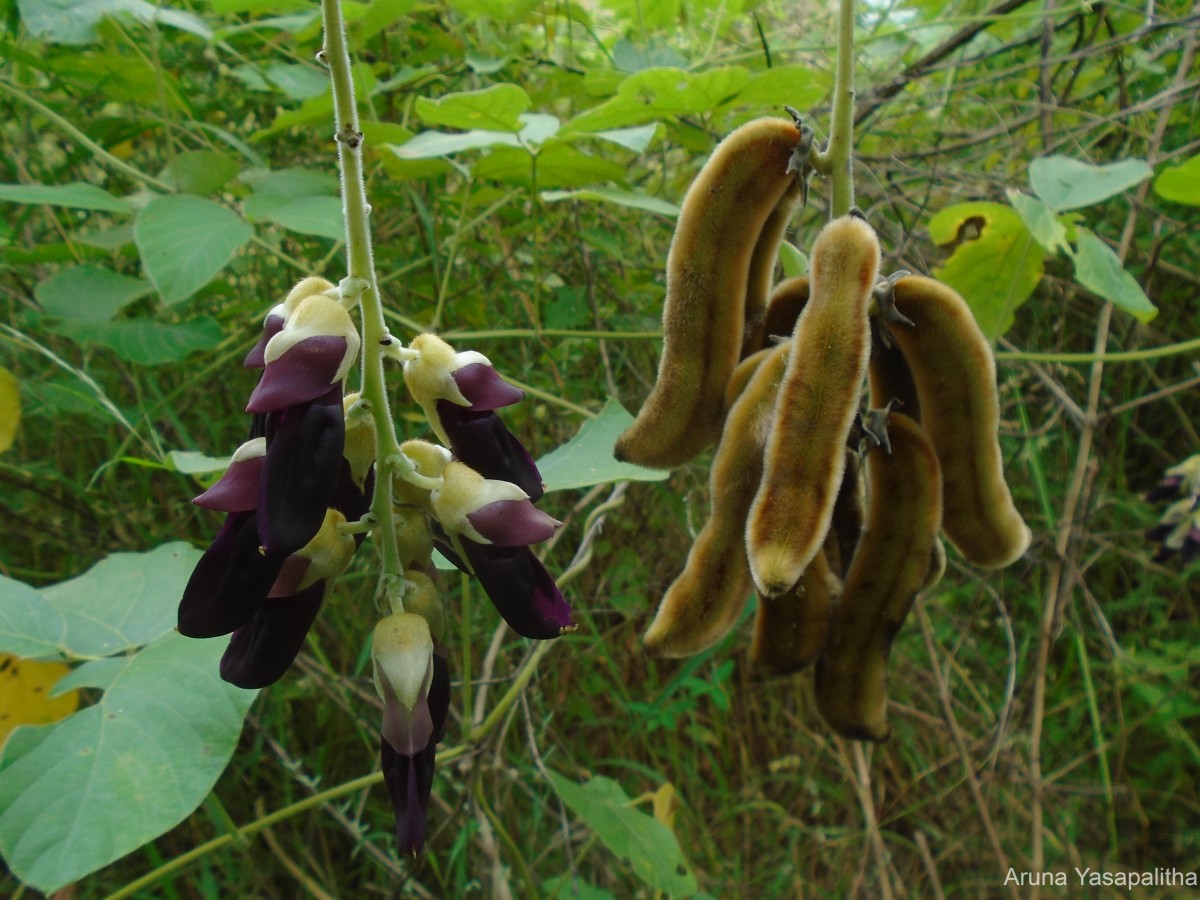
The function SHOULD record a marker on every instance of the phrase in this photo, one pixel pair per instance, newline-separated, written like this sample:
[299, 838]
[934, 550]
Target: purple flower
[277, 315]
[1179, 528]
[307, 357]
[488, 511]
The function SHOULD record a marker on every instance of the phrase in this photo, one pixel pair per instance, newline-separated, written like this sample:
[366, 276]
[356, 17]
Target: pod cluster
[832, 513]
[300, 495]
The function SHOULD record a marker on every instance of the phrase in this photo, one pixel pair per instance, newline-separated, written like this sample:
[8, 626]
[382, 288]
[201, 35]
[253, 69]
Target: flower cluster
[299, 496]
[1178, 531]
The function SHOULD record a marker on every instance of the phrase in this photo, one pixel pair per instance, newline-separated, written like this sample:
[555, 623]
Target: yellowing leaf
[10, 408]
[25, 694]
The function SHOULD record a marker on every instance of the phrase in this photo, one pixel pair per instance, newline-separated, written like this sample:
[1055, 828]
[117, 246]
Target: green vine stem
[361, 281]
[838, 158]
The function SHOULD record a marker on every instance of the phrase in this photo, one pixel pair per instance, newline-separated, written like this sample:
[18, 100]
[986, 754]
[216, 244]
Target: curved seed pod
[805, 455]
[955, 376]
[705, 601]
[849, 510]
[742, 374]
[790, 630]
[783, 309]
[708, 269]
[890, 377]
[894, 561]
[762, 268]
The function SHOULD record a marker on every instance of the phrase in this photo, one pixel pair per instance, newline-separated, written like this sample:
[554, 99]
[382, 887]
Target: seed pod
[849, 510]
[705, 601]
[791, 630]
[894, 561]
[805, 454]
[708, 270]
[955, 376]
[762, 268]
[890, 377]
[783, 309]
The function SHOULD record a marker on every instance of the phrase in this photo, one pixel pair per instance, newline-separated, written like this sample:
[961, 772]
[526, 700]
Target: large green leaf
[798, 86]
[497, 108]
[997, 269]
[1047, 229]
[76, 195]
[559, 165]
[664, 91]
[1098, 269]
[74, 21]
[144, 341]
[89, 293]
[185, 241]
[202, 172]
[122, 602]
[79, 794]
[1181, 183]
[320, 216]
[587, 458]
[1065, 183]
[639, 840]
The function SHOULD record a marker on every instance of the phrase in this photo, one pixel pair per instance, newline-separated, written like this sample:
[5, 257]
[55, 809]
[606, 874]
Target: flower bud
[466, 379]
[402, 652]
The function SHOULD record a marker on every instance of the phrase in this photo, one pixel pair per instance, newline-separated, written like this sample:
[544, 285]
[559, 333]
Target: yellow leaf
[10, 408]
[25, 694]
[666, 802]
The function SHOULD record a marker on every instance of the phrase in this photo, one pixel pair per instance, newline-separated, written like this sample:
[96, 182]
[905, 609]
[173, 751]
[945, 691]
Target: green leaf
[124, 601]
[320, 216]
[299, 82]
[144, 341]
[1047, 229]
[1065, 183]
[74, 21]
[794, 262]
[81, 793]
[431, 144]
[997, 270]
[637, 839]
[201, 172]
[1180, 184]
[291, 184]
[631, 199]
[796, 85]
[76, 195]
[497, 108]
[636, 139]
[1098, 269]
[559, 165]
[185, 241]
[89, 293]
[660, 92]
[587, 458]
[192, 462]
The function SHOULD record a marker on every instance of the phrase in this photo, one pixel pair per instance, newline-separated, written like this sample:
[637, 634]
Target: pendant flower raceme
[300, 495]
[1178, 531]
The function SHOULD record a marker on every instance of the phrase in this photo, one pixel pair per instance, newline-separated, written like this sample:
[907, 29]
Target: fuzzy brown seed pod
[890, 377]
[894, 561]
[805, 454]
[788, 299]
[790, 630]
[759, 291]
[705, 601]
[708, 271]
[849, 511]
[955, 375]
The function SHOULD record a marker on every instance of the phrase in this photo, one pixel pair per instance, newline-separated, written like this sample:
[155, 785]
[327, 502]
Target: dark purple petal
[513, 523]
[304, 453]
[304, 372]
[484, 389]
[255, 359]
[1191, 546]
[237, 490]
[229, 583]
[409, 731]
[481, 440]
[521, 589]
[348, 499]
[287, 583]
[263, 649]
[1166, 489]
[409, 781]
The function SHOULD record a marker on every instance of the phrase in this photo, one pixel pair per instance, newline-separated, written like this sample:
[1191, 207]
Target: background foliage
[169, 173]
